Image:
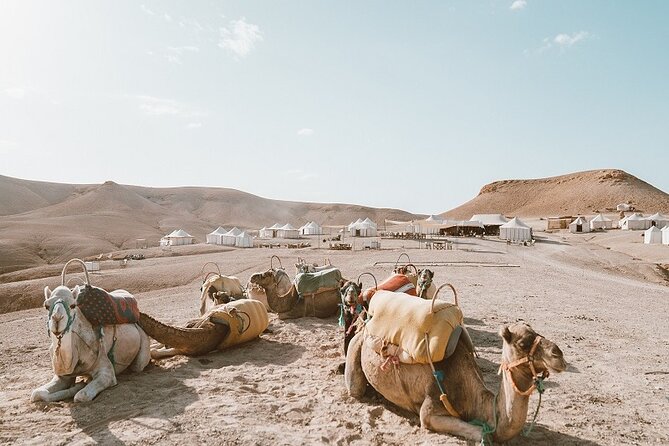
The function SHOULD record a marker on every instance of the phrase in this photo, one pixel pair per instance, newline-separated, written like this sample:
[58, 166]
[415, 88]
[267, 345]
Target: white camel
[77, 351]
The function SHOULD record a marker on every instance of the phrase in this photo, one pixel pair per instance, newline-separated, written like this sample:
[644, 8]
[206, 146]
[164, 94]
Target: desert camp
[334, 223]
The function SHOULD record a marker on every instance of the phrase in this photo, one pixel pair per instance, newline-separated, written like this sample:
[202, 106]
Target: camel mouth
[556, 364]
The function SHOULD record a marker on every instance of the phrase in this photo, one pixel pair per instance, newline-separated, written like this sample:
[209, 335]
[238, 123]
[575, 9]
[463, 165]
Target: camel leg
[164, 353]
[57, 384]
[355, 379]
[434, 417]
[143, 356]
[102, 378]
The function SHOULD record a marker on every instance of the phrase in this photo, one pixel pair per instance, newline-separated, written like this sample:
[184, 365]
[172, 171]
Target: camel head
[521, 341]
[61, 303]
[350, 293]
[425, 277]
[268, 279]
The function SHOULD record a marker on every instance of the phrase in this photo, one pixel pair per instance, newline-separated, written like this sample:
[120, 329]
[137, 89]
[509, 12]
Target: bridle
[70, 319]
[537, 378]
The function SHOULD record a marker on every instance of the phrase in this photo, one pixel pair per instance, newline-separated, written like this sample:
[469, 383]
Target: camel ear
[47, 292]
[506, 334]
[75, 292]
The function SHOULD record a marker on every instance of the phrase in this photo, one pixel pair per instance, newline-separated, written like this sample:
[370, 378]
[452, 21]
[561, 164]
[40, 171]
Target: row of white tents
[631, 222]
[514, 230]
[362, 228]
[233, 237]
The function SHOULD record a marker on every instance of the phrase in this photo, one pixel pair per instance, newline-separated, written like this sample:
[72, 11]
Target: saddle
[102, 308]
[318, 282]
[399, 325]
[399, 283]
[246, 318]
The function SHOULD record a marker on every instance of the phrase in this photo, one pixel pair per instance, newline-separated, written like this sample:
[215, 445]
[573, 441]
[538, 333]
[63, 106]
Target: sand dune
[577, 193]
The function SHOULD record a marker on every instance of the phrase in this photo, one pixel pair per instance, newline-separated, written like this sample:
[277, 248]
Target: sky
[410, 105]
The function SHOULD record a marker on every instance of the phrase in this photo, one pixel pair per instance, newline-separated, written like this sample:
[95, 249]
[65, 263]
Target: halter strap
[70, 317]
[507, 367]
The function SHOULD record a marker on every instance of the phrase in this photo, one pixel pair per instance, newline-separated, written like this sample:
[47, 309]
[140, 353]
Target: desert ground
[599, 296]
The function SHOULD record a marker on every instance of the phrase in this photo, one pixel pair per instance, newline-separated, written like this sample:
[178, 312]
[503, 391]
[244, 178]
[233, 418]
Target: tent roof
[657, 216]
[234, 231]
[490, 219]
[243, 234]
[636, 216]
[579, 221]
[312, 224]
[653, 229]
[368, 221]
[434, 218]
[515, 222]
[219, 230]
[178, 233]
[288, 227]
[600, 217]
[275, 226]
[666, 228]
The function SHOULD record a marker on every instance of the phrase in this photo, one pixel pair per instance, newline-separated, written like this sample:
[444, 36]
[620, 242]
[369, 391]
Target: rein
[537, 379]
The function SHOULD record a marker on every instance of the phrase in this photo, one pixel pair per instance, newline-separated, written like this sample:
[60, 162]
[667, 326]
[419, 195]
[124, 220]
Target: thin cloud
[152, 106]
[305, 132]
[167, 17]
[147, 10]
[567, 40]
[174, 53]
[518, 5]
[15, 92]
[194, 125]
[241, 39]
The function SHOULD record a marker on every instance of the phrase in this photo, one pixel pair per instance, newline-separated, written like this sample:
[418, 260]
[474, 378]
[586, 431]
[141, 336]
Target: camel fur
[77, 351]
[413, 386]
[256, 292]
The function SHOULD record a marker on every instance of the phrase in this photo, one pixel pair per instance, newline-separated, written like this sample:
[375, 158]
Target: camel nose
[556, 352]
[57, 317]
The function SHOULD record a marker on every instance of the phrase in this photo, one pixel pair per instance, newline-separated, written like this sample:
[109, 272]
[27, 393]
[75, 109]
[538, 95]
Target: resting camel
[221, 327]
[220, 289]
[77, 350]
[256, 292]
[321, 301]
[303, 267]
[527, 358]
[425, 285]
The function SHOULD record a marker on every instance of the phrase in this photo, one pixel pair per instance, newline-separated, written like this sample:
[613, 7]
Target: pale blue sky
[413, 105]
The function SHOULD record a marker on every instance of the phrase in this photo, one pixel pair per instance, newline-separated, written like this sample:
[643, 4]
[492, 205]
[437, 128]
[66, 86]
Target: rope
[110, 354]
[486, 430]
[70, 318]
[539, 383]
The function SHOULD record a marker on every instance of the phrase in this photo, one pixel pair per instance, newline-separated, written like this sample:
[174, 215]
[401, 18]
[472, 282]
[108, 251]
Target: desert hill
[577, 193]
[42, 222]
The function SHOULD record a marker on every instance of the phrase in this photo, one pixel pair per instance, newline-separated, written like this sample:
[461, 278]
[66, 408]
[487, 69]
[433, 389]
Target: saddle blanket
[399, 283]
[314, 283]
[400, 320]
[246, 318]
[102, 308]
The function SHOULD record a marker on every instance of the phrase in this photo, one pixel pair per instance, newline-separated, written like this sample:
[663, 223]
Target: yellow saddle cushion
[247, 320]
[399, 323]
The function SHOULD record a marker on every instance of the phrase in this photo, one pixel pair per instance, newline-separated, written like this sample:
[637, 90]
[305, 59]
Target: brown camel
[526, 358]
[322, 303]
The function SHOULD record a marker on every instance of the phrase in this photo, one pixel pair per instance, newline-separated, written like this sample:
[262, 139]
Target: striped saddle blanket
[399, 283]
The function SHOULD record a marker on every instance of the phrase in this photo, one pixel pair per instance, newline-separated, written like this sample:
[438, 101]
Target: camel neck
[511, 406]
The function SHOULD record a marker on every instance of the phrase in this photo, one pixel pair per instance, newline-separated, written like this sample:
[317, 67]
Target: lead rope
[486, 430]
[539, 383]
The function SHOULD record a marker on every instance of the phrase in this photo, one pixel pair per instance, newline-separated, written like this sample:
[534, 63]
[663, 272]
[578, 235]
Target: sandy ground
[606, 310]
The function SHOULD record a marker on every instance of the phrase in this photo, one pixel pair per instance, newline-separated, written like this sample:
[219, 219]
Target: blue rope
[70, 317]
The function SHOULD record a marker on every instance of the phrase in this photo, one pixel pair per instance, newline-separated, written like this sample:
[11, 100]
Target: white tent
[176, 238]
[515, 231]
[579, 225]
[658, 220]
[311, 228]
[288, 231]
[634, 222]
[215, 236]
[434, 219]
[243, 240]
[230, 237]
[265, 232]
[601, 222]
[490, 219]
[623, 207]
[362, 228]
[652, 235]
[665, 235]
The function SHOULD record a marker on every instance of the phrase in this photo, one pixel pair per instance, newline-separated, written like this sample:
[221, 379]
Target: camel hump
[314, 283]
[402, 321]
[246, 318]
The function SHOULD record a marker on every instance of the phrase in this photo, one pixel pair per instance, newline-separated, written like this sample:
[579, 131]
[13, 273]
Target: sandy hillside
[604, 308]
[577, 193]
[46, 222]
